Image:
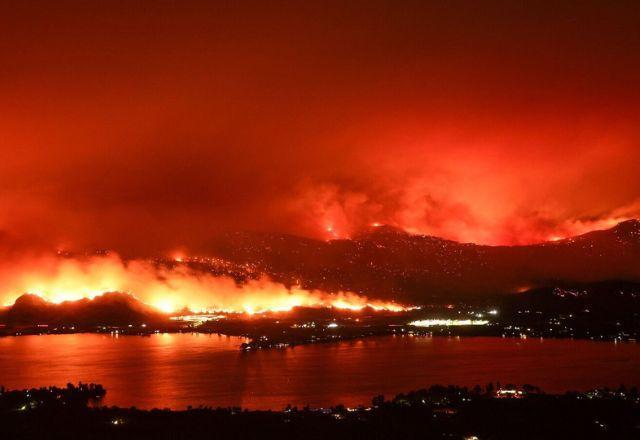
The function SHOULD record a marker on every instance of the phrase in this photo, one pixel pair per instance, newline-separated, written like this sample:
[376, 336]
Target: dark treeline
[71, 396]
[493, 411]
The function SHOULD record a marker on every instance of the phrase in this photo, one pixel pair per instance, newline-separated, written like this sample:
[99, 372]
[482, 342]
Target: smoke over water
[168, 289]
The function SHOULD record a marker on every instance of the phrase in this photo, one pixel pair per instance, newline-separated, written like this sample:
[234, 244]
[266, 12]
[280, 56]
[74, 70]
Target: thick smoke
[141, 129]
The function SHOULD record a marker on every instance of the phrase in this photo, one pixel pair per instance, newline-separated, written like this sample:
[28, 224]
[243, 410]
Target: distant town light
[447, 322]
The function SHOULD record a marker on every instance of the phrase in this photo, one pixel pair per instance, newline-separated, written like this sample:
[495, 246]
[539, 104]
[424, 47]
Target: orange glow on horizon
[171, 289]
[165, 306]
[340, 301]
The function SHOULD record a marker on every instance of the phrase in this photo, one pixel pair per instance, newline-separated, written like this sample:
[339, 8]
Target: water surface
[176, 370]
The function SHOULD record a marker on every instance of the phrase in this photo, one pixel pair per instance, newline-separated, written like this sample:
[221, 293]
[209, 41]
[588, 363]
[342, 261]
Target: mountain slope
[389, 263]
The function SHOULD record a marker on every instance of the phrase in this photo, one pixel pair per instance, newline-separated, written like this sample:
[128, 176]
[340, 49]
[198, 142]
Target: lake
[176, 370]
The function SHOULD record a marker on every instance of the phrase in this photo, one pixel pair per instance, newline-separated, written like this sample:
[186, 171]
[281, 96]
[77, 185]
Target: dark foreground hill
[114, 308]
[439, 412]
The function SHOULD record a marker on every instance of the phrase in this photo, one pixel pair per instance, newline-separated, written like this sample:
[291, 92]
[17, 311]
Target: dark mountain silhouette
[114, 308]
[388, 263]
[602, 310]
[385, 262]
[604, 298]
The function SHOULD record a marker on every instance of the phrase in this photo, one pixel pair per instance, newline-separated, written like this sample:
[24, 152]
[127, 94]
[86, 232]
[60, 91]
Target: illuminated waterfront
[176, 370]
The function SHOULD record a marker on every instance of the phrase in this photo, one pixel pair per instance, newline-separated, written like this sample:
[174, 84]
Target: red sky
[143, 126]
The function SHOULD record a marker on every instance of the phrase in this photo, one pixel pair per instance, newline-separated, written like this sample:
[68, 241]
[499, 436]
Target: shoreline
[255, 342]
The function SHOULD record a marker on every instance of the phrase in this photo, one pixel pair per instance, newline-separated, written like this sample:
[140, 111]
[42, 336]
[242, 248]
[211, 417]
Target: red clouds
[150, 126]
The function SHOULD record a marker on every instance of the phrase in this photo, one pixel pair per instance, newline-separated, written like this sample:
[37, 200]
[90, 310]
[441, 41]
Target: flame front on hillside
[168, 288]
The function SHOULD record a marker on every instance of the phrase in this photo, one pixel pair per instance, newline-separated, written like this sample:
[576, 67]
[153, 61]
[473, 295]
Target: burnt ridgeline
[494, 411]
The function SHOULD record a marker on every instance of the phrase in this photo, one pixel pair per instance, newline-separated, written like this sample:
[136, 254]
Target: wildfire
[332, 234]
[170, 289]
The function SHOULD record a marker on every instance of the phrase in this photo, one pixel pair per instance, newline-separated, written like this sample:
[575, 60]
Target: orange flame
[168, 288]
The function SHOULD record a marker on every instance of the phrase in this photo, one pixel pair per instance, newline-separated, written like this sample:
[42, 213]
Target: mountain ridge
[390, 263]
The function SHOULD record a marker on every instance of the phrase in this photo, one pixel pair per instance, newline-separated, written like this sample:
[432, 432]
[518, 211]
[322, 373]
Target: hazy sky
[142, 126]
